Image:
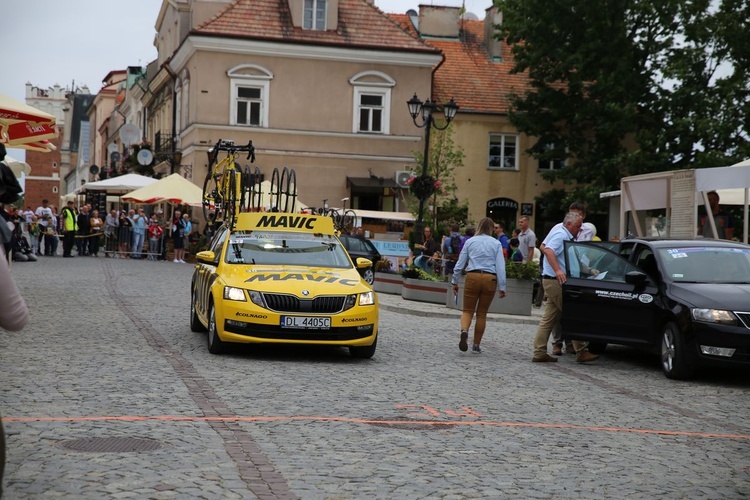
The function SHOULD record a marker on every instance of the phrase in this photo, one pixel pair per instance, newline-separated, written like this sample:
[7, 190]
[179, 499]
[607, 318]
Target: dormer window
[314, 15]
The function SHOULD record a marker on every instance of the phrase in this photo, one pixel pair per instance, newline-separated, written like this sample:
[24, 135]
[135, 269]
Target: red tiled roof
[359, 25]
[468, 75]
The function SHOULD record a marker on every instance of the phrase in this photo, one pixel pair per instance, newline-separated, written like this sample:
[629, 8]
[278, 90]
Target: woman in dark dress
[123, 234]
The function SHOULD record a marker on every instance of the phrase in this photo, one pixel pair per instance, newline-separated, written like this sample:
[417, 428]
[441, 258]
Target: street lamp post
[427, 109]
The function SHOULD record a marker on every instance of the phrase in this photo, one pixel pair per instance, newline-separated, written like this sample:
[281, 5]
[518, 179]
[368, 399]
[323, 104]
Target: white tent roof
[124, 183]
[681, 191]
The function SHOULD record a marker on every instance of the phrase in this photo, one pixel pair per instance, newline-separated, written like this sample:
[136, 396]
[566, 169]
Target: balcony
[163, 143]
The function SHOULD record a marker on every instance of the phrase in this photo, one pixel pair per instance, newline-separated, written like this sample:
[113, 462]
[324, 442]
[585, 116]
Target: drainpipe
[166, 67]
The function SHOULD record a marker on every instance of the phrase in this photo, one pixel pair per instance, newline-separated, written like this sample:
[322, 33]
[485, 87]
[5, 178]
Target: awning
[375, 214]
[370, 182]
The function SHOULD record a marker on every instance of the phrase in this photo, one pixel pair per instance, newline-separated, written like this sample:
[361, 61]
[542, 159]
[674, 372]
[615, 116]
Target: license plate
[306, 322]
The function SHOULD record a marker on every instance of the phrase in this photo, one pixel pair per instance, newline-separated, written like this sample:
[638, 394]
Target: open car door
[606, 298]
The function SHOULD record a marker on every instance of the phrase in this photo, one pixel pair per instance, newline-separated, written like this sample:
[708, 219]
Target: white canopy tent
[122, 184]
[680, 192]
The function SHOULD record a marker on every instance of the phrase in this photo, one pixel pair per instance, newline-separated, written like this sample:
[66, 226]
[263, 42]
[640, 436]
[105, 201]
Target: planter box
[425, 291]
[518, 299]
[388, 283]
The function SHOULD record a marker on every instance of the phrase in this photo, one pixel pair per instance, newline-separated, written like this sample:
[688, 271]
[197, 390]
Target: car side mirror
[207, 257]
[636, 278]
[363, 263]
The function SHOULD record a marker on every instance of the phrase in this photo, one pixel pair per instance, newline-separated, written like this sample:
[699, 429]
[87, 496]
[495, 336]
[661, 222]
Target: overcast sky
[79, 41]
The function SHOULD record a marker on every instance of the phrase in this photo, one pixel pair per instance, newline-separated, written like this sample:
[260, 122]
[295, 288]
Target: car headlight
[350, 301]
[232, 293]
[256, 298]
[367, 298]
[713, 316]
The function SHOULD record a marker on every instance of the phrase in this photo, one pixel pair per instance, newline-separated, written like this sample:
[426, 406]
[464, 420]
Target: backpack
[455, 246]
[10, 190]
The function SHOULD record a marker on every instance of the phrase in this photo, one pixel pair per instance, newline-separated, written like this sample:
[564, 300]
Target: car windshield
[706, 264]
[286, 248]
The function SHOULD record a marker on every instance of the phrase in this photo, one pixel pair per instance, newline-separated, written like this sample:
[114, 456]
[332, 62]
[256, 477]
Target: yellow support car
[286, 279]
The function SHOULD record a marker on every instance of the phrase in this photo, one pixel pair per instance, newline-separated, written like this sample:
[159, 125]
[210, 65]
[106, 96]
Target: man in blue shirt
[553, 277]
[502, 238]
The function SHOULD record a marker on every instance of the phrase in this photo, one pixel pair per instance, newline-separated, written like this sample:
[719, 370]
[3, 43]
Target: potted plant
[423, 286]
[519, 285]
[387, 280]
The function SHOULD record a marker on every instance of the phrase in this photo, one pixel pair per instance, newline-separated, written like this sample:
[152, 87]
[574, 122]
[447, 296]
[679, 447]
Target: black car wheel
[364, 352]
[674, 354]
[215, 344]
[369, 275]
[195, 323]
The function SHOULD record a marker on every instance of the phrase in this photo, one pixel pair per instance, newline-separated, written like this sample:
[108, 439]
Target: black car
[358, 246]
[688, 300]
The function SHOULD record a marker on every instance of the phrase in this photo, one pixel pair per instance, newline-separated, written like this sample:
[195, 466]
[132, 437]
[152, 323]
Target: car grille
[744, 317]
[289, 303]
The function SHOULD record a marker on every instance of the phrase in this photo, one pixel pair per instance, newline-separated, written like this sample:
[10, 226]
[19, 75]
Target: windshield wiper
[237, 253]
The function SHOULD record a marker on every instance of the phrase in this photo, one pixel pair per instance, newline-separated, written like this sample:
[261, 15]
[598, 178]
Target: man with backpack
[451, 249]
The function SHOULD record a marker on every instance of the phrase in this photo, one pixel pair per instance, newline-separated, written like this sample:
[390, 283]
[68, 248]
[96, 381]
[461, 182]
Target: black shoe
[71, 256]
[462, 344]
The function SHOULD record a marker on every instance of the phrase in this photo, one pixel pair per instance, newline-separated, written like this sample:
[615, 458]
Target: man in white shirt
[45, 215]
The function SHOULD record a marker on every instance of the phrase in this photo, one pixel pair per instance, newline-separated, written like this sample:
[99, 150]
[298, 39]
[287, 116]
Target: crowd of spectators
[120, 234]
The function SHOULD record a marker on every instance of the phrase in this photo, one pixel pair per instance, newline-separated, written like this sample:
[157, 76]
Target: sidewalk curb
[495, 318]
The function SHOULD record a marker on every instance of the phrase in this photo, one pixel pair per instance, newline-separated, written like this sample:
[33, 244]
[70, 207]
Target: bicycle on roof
[229, 189]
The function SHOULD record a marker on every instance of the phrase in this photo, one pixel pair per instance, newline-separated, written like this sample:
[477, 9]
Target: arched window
[250, 86]
[372, 102]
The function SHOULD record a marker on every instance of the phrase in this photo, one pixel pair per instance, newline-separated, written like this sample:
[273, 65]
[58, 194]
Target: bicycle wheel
[347, 221]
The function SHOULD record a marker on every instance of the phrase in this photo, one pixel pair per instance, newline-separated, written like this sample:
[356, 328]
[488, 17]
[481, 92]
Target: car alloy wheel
[215, 344]
[369, 276]
[674, 356]
[195, 323]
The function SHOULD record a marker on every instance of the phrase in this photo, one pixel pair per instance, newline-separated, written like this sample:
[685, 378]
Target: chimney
[492, 17]
[439, 21]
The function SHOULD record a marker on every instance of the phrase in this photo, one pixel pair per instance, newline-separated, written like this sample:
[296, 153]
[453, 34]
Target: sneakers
[475, 349]
[176, 261]
[585, 357]
[462, 343]
[557, 350]
[545, 358]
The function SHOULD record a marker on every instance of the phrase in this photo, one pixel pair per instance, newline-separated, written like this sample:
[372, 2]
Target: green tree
[623, 87]
[445, 158]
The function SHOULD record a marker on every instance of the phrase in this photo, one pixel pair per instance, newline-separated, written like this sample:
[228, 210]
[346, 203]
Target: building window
[371, 111]
[178, 110]
[372, 102]
[54, 164]
[503, 152]
[54, 189]
[250, 87]
[315, 15]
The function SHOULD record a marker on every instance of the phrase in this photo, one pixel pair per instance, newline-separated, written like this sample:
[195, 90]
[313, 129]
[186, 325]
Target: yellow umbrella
[174, 189]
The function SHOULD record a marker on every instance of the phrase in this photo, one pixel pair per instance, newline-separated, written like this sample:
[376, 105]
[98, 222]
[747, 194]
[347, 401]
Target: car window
[647, 262]
[706, 264]
[286, 248]
[356, 245]
[595, 262]
[218, 240]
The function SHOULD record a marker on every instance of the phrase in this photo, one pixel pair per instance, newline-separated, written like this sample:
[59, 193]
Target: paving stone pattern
[108, 354]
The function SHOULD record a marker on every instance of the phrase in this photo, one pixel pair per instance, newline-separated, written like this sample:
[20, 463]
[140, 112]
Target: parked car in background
[357, 246]
[688, 300]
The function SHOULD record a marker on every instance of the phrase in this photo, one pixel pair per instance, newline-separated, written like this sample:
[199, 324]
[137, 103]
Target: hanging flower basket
[422, 187]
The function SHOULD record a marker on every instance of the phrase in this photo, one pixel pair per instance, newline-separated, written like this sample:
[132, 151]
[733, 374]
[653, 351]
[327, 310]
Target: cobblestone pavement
[108, 354]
